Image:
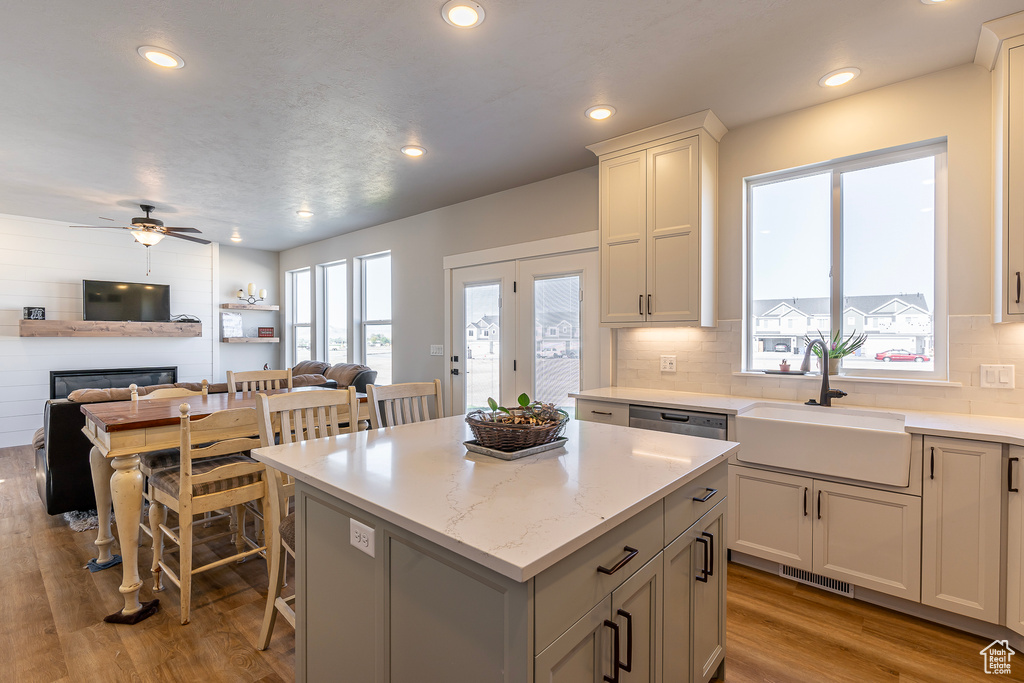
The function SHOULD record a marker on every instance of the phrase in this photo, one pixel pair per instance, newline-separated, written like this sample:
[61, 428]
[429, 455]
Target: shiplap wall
[43, 263]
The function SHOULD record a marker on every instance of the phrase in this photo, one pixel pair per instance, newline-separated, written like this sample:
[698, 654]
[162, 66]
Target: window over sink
[858, 241]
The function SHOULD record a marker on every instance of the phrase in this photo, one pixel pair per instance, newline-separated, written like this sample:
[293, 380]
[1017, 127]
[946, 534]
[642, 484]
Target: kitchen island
[419, 561]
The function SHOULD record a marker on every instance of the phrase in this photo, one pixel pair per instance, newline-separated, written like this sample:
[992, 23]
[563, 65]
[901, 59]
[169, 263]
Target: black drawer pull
[621, 563]
[614, 678]
[599, 412]
[805, 501]
[932, 475]
[1009, 475]
[648, 304]
[707, 497]
[711, 552]
[819, 504]
[1018, 286]
[703, 577]
[641, 304]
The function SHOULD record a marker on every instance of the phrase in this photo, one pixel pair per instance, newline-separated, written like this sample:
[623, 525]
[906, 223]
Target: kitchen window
[861, 241]
[376, 315]
[299, 286]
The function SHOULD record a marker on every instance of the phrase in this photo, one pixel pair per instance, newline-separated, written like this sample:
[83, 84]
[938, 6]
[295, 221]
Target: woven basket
[512, 437]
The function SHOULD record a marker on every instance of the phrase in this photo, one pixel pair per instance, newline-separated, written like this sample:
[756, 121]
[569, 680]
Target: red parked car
[900, 354]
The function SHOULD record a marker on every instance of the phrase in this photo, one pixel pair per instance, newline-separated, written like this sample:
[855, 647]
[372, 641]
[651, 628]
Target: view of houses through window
[301, 338]
[556, 312]
[336, 311]
[882, 211]
[376, 317]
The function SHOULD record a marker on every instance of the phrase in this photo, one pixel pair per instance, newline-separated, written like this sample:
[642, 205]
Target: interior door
[557, 337]
[483, 339]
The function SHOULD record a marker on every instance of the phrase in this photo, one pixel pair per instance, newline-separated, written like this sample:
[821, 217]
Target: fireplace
[63, 382]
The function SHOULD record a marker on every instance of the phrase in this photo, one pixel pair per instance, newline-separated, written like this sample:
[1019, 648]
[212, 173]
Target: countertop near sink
[955, 425]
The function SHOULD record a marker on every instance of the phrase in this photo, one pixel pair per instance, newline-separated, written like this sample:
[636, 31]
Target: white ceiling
[304, 104]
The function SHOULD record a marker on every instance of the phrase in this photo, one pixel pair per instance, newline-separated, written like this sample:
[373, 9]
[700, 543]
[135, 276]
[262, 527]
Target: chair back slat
[398, 404]
[259, 380]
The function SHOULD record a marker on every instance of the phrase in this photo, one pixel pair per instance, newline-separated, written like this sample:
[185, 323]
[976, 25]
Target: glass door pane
[483, 344]
[556, 336]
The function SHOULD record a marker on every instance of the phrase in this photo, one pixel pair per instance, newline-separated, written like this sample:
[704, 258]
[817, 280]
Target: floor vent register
[817, 580]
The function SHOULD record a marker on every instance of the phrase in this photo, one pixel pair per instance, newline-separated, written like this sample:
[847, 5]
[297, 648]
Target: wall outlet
[668, 363]
[436, 350]
[361, 537]
[997, 376]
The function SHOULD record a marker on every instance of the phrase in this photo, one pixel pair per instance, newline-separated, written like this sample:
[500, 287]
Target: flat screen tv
[125, 301]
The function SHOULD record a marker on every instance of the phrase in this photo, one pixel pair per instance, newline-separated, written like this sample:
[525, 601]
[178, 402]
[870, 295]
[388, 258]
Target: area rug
[82, 520]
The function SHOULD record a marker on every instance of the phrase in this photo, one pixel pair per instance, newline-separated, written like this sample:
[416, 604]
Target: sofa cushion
[310, 367]
[219, 388]
[39, 438]
[345, 373]
[308, 380]
[100, 395]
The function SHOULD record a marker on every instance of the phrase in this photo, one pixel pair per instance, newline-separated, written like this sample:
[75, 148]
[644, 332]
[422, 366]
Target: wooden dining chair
[397, 404]
[289, 418]
[215, 476]
[259, 380]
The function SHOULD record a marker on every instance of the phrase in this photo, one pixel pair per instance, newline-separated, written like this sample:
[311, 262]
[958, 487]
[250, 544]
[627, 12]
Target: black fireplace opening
[63, 382]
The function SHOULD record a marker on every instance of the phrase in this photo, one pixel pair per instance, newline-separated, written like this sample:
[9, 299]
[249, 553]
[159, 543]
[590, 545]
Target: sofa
[63, 473]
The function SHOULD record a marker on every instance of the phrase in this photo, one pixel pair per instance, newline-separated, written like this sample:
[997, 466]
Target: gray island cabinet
[604, 560]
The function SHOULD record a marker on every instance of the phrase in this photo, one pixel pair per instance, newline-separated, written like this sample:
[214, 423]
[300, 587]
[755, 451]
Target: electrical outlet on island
[361, 537]
[668, 363]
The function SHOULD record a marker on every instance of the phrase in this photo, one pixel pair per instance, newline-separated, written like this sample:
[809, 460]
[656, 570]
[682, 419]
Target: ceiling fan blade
[107, 227]
[166, 229]
[186, 237]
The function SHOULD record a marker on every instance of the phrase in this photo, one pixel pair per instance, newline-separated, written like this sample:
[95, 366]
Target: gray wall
[238, 267]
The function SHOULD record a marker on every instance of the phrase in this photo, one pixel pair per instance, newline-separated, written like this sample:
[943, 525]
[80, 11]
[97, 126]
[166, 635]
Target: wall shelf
[104, 328]
[251, 307]
[250, 340]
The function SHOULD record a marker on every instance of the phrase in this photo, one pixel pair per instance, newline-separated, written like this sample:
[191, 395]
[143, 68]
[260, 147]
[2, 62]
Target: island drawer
[689, 503]
[601, 411]
[568, 590]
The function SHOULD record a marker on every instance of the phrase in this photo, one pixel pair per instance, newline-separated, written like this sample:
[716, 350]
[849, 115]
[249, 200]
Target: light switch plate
[361, 537]
[668, 363]
[997, 376]
[436, 350]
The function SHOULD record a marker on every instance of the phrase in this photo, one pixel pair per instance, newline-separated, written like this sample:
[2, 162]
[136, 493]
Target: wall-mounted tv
[125, 301]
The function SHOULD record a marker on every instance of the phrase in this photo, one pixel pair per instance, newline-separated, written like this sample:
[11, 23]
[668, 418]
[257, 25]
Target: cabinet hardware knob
[707, 497]
[628, 666]
[703, 576]
[614, 678]
[1009, 475]
[621, 563]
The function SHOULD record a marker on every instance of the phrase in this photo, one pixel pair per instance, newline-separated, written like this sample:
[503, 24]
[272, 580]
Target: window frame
[364, 321]
[931, 148]
[293, 324]
[326, 269]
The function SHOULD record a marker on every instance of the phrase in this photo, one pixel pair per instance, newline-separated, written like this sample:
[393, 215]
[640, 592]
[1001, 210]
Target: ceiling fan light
[146, 237]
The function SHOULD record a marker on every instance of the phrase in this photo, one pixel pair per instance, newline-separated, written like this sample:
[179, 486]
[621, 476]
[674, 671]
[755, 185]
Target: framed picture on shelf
[265, 331]
[231, 325]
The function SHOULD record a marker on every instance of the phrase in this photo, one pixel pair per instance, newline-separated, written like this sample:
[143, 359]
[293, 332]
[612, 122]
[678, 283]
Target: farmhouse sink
[861, 445]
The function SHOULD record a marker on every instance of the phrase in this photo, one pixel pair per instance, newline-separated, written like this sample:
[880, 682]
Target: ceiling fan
[149, 231]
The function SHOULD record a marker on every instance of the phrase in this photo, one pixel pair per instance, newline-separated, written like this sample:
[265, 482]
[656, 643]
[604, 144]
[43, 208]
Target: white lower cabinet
[863, 536]
[961, 528]
[1015, 542]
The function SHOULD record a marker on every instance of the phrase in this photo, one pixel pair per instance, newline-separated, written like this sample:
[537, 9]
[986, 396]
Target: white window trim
[936, 148]
[324, 270]
[365, 322]
[293, 326]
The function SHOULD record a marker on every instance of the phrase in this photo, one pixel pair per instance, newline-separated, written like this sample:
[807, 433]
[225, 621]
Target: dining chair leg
[275, 574]
[157, 516]
[185, 566]
[239, 515]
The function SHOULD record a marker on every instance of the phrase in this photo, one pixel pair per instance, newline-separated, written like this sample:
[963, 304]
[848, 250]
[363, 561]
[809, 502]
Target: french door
[526, 326]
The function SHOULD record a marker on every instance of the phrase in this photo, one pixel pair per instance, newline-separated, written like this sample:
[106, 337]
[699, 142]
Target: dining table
[119, 431]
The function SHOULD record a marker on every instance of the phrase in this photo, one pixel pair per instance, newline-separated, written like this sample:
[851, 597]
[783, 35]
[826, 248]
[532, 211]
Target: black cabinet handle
[805, 501]
[621, 563]
[711, 552]
[598, 412]
[1009, 475]
[819, 504]
[628, 666]
[641, 304]
[932, 475]
[614, 678]
[703, 577]
[648, 304]
[707, 497]
[1018, 286]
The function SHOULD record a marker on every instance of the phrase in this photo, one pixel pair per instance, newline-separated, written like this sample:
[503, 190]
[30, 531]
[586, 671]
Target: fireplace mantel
[102, 328]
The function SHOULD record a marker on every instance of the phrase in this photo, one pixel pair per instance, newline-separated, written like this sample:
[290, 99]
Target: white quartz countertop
[515, 517]
[957, 425]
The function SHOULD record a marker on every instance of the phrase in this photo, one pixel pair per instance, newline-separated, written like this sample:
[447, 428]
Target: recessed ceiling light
[304, 213]
[161, 57]
[236, 238]
[463, 13]
[839, 77]
[600, 112]
[413, 151]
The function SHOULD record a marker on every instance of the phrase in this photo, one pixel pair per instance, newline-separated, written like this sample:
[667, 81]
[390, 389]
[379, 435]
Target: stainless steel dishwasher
[692, 423]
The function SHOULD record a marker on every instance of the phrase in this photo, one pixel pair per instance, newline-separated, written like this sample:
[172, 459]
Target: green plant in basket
[526, 413]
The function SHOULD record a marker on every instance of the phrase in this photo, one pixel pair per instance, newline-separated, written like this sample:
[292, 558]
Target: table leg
[101, 473]
[126, 491]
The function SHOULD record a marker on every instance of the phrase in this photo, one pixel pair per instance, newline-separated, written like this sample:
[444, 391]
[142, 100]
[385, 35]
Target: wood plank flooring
[52, 631]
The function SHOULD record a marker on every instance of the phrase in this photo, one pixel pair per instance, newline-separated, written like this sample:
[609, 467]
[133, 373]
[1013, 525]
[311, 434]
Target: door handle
[628, 666]
[703, 577]
[455, 371]
[711, 552]
[805, 501]
[1009, 475]
[707, 497]
[614, 678]
[819, 504]
[621, 563]
[932, 475]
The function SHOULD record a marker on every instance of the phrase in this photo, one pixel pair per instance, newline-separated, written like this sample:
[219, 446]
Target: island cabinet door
[868, 538]
[636, 609]
[961, 527]
[1015, 543]
[583, 653]
[770, 515]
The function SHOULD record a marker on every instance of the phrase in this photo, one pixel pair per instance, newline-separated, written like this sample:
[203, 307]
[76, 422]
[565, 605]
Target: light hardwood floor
[52, 629]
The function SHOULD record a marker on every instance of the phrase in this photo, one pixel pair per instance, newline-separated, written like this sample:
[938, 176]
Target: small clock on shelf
[34, 313]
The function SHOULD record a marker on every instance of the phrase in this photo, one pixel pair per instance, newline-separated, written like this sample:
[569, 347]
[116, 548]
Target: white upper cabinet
[658, 204]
